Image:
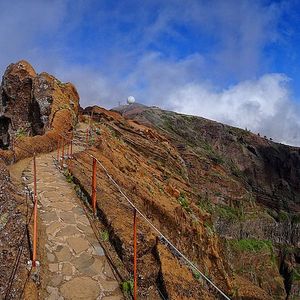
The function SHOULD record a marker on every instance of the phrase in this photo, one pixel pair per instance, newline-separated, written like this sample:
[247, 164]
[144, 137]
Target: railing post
[87, 136]
[71, 145]
[58, 145]
[135, 290]
[68, 149]
[12, 143]
[94, 184]
[63, 148]
[34, 213]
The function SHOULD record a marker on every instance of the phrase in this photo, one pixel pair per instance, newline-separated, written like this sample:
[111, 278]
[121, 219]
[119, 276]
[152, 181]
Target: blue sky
[233, 61]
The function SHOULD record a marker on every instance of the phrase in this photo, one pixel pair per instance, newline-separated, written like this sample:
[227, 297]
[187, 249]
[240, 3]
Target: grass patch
[184, 202]
[230, 213]
[296, 275]
[21, 132]
[209, 228]
[69, 176]
[252, 245]
[204, 203]
[215, 157]
[296, 218]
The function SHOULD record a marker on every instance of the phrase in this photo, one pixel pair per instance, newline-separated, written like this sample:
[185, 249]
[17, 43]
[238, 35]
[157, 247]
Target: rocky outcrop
[29, 102]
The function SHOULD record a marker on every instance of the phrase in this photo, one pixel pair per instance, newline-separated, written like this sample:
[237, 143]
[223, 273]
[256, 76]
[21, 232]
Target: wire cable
[162, 236]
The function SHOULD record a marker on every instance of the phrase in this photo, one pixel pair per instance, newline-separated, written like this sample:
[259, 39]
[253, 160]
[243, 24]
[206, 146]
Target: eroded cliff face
[33, 105]
[249, 186]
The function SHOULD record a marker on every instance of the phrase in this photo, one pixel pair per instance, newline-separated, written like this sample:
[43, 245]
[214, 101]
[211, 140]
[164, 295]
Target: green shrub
[105, 235]
[69, 176]
[184, 202]
[127, 286]
[283, 216]
[196, 275]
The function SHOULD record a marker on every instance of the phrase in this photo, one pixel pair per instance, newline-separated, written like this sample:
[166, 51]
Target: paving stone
[120, 297]
[44, 201]
[49, 216]
[109, 286]
[65, 206]
[67, 231]
[52, 290]
[80, 288]
[53, 227]
[56, 280]
[77, 263]
[78, 244]
[68, 217]
[53, 267]
[84, 228]
[63, 253]
[83, 262]
[84, 220]
[51, 257]
[98, 250]
[67, 269]
[78, 210]
[108, 271]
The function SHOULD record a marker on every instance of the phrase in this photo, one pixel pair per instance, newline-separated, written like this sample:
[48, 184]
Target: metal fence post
[58, 145]
[35, 214]
[94, 184]
[135, 291]
[63, 148]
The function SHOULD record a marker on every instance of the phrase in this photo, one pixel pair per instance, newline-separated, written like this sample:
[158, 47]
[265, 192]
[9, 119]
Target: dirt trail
[73, 264]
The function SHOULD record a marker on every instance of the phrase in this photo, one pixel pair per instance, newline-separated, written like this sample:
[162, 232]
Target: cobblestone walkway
[77, 266]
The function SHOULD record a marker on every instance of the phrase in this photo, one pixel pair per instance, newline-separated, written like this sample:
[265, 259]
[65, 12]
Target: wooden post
[34, 213]
[94, 184]
[135, 291]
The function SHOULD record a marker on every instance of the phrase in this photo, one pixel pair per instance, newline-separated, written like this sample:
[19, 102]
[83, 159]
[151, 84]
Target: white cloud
[263, 105]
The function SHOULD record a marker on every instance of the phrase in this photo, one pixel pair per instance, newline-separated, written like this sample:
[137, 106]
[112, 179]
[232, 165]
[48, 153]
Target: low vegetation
[251, 245]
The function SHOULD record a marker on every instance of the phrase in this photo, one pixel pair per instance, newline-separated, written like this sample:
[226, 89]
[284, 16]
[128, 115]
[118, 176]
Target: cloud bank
[262, 105]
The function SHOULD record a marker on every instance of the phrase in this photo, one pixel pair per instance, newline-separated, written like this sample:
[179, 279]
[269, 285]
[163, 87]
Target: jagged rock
[31, 103]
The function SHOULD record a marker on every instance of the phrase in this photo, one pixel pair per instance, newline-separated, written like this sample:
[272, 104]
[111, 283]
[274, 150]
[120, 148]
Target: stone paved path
[78, 268]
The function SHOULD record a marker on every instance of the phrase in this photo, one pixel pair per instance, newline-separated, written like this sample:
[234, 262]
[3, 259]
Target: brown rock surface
[32, 105]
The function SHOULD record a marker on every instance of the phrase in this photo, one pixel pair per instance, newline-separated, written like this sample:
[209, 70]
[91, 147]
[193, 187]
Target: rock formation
[34, 104]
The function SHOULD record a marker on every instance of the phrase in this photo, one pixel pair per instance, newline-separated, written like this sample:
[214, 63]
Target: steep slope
[249, 185]
[197, 194]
